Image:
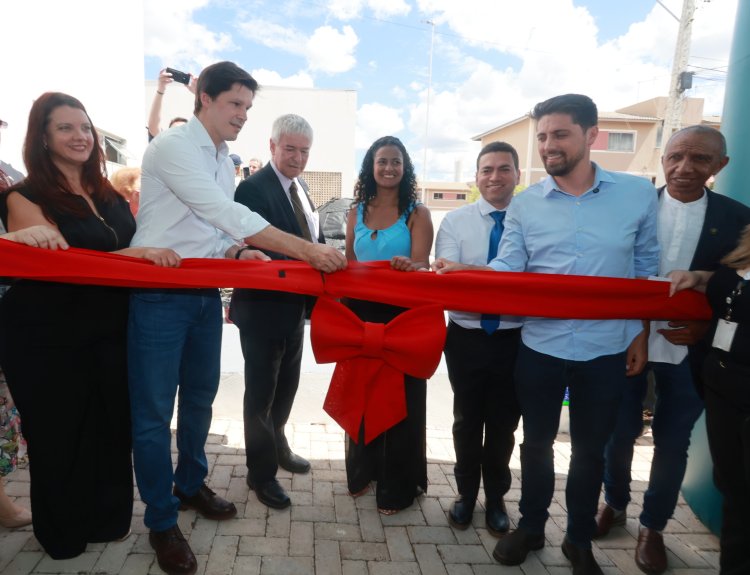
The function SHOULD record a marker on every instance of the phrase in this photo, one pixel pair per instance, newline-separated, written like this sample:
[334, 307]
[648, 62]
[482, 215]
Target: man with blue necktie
[480, 350]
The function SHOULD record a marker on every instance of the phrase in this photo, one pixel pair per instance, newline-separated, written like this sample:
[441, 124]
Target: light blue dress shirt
[610, 230]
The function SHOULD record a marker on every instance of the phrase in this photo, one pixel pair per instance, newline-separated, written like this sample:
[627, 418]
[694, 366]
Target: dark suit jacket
[725, 219]
[274, 314]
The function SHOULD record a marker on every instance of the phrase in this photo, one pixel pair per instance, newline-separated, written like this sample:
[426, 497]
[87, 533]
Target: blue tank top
[371, 245]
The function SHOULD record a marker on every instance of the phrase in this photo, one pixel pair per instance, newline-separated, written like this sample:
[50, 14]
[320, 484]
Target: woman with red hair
[62, 346]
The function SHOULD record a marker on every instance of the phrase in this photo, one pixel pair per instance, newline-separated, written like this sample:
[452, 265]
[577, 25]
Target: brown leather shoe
[650, 554]
[606, 518]
[207, 503]
[172, 552]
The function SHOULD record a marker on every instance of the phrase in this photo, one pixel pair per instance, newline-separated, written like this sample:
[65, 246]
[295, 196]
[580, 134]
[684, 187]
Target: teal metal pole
[735, 121]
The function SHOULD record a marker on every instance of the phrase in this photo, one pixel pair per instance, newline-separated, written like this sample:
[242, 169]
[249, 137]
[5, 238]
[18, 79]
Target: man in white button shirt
[174, 336]
[696, 228]
[272, 324]
[480, 351]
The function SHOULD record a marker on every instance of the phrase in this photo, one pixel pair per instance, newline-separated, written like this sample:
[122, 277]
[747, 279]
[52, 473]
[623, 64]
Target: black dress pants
[272, 370]
[727, 397]
[485, 408]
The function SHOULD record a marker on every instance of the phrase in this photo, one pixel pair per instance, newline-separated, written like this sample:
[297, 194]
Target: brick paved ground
[326, 532]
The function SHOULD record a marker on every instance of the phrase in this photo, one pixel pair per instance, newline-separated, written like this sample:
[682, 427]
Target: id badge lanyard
[725, 327]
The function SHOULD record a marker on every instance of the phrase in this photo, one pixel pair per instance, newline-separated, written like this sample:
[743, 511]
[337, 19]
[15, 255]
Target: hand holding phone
[181, 77]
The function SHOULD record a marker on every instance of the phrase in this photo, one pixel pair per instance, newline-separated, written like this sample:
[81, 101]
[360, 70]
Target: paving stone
[263, 546]
[433, 535]
[301, 539]
[278, 524]
[337, 532]
[394, 568]
[138, 563]
[287, 566]
[464, 554]
[246, 565]
[11, 543]
[327, 558]
[22, 563]
[252, 527]
[459, 569]
[113, 558]
[202, 536]
[223, 553]
[429, 559]
[370, 525]
[359, 550]
[354, 567]
[399, 546]
[409, 516]
[345, 509]
[313, 513]
[432, 511]
[82, 564]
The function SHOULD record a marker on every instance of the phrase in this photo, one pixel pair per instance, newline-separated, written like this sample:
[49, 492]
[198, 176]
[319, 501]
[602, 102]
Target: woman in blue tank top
[389, 224]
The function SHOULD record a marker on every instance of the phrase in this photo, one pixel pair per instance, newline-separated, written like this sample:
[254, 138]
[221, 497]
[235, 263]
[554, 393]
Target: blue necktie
[490, 322]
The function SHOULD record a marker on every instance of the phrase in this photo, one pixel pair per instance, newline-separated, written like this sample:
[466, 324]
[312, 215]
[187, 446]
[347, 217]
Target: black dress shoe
[292, 462]
[582, 559]
[496, 518]
[207, 503]
[172, 552]
[461, 512]
[514, 547]
[270, 493]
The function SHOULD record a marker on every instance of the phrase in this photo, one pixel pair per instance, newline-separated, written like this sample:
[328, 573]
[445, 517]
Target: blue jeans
[596, 387]
[678, 406]
[174, 346]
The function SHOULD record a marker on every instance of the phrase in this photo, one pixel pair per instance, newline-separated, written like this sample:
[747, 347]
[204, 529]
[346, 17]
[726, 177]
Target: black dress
[727, 397]
[63, 349]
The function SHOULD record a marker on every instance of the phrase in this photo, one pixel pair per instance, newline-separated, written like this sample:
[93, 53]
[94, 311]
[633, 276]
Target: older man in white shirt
[696, 228]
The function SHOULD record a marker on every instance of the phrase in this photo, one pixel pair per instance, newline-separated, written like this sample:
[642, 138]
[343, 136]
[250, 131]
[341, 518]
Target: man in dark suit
[272, 323]
[697, 227]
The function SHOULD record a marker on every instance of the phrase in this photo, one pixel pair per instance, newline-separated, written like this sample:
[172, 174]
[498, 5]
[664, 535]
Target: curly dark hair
[365, 188]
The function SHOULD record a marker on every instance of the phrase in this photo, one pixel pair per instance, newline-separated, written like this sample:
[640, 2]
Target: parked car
[333, 221]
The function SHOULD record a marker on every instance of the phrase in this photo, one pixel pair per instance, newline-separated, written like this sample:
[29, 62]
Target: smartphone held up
[181, 77]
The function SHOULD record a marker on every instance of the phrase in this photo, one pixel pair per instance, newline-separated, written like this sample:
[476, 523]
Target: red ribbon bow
[368, 381]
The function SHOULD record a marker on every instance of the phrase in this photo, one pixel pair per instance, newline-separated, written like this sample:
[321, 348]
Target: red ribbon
[368, 382]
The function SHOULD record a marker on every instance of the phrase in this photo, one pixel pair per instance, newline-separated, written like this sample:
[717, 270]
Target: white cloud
[352, 9]
[326, 50]
[171, 35]
[271, 78]
[374, 121]
[331, 51]
[559, 53]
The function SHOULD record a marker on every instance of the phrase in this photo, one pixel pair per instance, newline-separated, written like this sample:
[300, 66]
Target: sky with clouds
[492, 60]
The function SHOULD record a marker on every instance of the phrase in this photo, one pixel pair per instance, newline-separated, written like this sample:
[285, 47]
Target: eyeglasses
[3, 124]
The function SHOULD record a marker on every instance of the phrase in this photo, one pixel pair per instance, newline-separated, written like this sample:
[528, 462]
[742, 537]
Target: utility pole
[678, 84]
[427, 114]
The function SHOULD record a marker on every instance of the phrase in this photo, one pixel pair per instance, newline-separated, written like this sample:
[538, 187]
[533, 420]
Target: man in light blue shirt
[581, 220]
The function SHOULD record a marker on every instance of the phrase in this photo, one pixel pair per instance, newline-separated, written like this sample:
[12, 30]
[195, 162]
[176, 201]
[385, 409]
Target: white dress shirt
[311, 216]
[464, 236]
[679, 229]
[187, 186]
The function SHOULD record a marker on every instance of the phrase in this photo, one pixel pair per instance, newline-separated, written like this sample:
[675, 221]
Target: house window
[437, 196]
[621, 142]
[460, 196]
[607, 141]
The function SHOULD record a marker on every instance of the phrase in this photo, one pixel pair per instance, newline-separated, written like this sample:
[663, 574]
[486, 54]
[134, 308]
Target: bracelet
[160, 93]
[239, 251]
